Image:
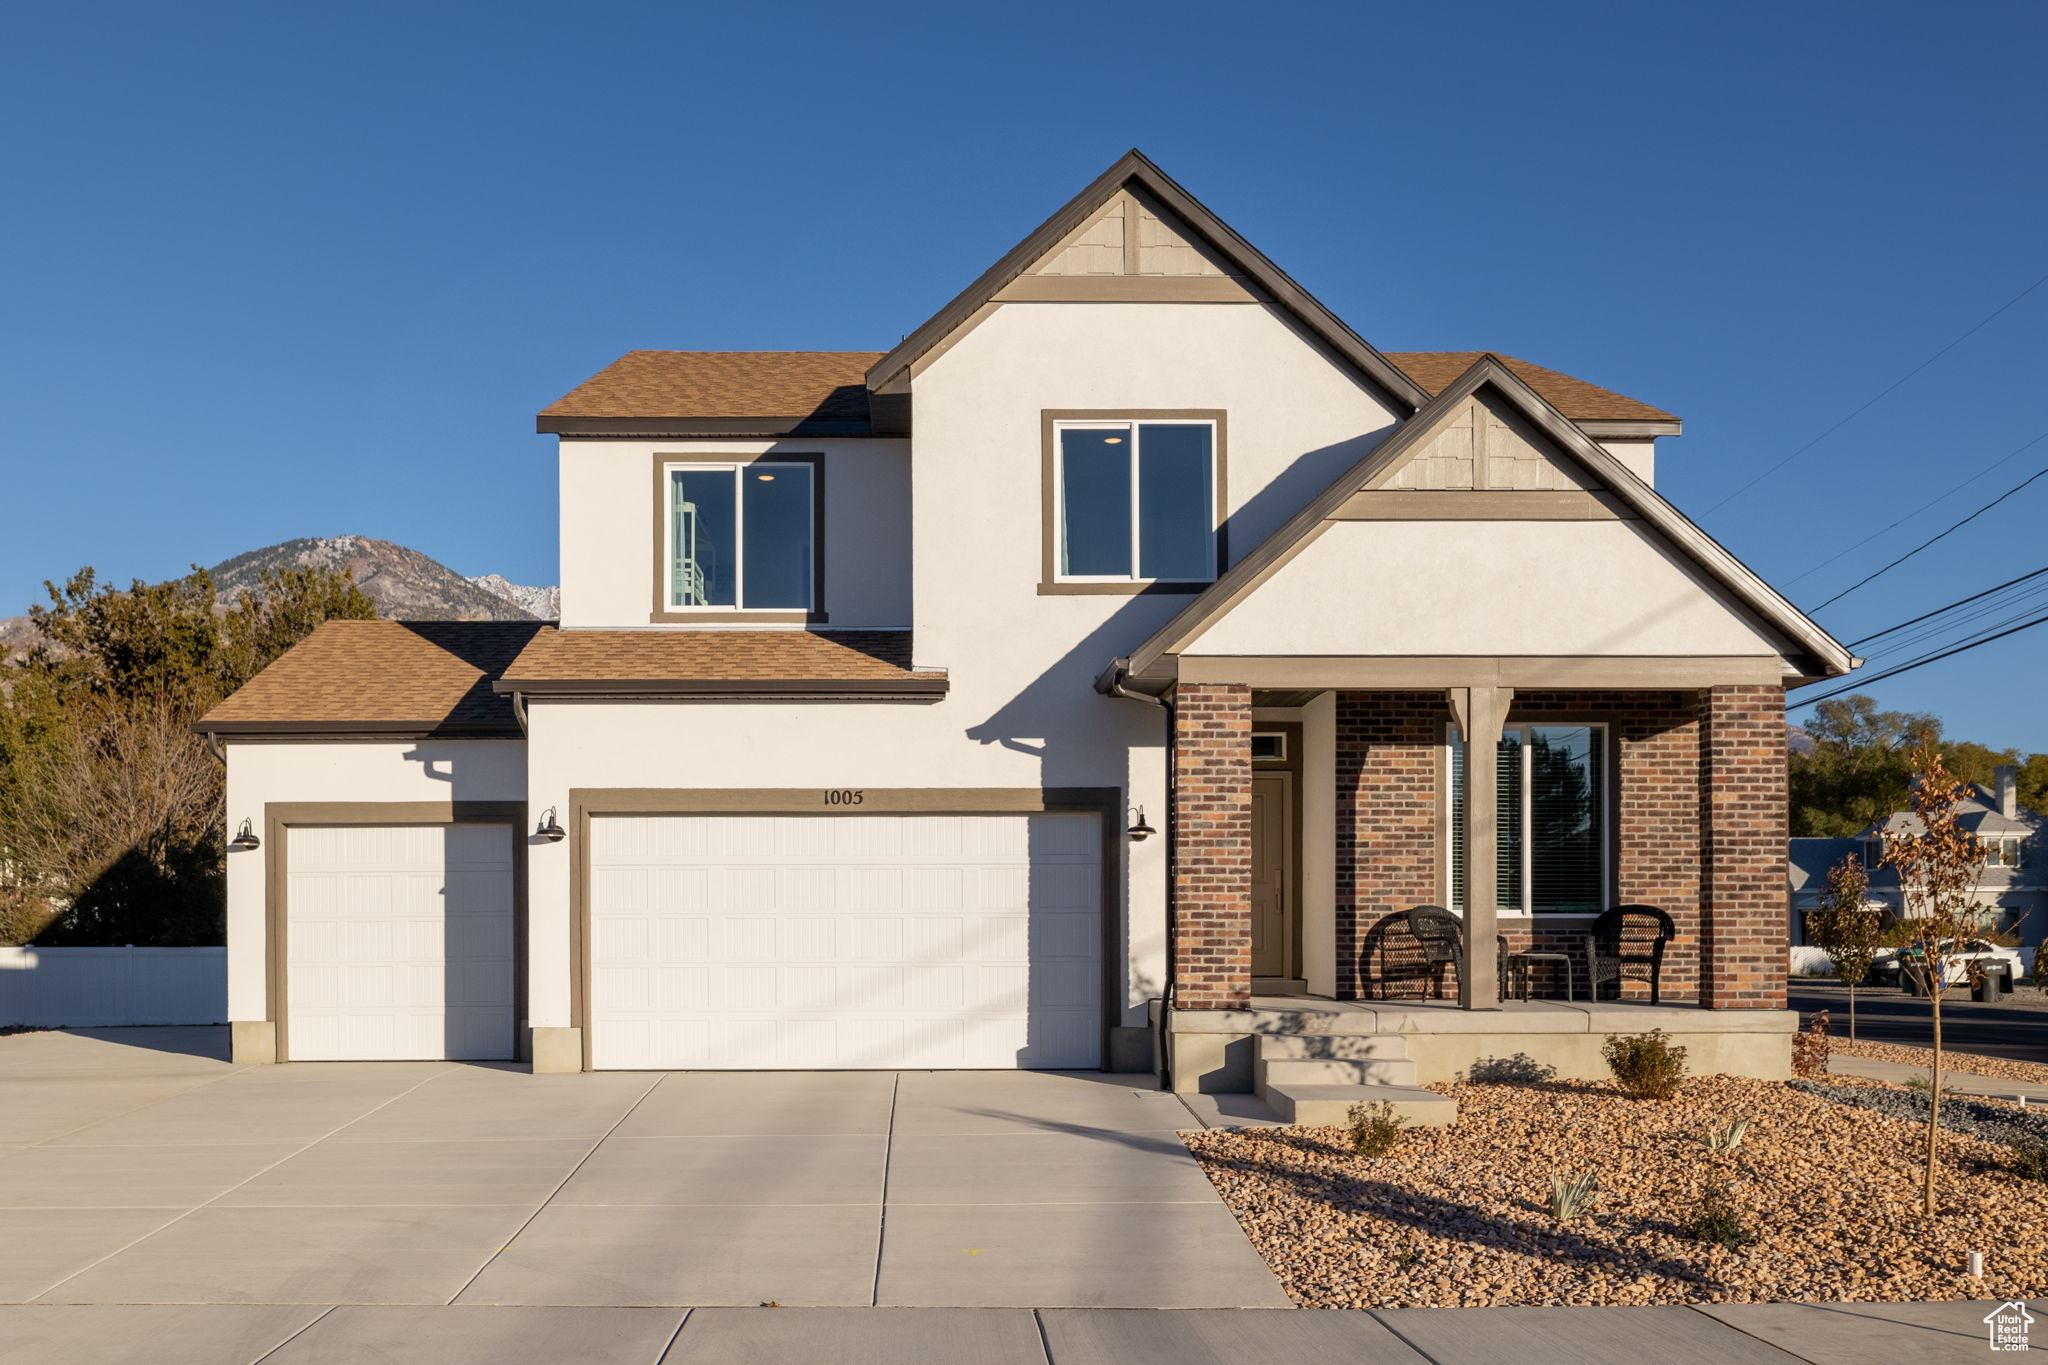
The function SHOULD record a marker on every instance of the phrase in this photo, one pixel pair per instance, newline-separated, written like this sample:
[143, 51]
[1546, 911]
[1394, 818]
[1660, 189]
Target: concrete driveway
[137, 1167]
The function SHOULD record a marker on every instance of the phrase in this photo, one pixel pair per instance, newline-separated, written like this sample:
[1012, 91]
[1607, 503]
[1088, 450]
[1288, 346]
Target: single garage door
[846, 941]
[398, 943]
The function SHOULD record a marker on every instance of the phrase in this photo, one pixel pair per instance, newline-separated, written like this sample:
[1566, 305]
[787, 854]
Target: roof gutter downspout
[1112, 684]
[519, 711]
[213, 743]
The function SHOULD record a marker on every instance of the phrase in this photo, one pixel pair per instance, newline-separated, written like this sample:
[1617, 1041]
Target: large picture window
[1136, 501]
[741, 536]
[1552, 820]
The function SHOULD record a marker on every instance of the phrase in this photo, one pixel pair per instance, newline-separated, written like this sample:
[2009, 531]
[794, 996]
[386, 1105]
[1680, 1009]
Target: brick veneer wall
[1389, 750]
[1212, 853]
[1743, 922]
[1390, 854]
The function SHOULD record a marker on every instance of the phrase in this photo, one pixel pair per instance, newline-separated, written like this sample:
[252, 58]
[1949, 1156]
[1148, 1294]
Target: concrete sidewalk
[1760, 1334]
[1956, 1078]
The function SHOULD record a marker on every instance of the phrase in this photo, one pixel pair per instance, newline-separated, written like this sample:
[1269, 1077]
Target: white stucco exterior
[608, 525]
[265, 774]
[1486, 588]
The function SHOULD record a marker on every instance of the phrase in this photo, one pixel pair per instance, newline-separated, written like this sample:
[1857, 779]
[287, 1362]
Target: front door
[1272, 802]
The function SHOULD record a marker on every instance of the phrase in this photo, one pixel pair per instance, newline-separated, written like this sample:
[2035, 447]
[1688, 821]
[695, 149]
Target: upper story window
[1552, 821]
[1135, 501]
[2007, 850]
[741, 536]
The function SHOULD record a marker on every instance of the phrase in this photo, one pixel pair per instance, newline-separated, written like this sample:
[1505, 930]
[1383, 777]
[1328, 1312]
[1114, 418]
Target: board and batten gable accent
[1484, 444]
[1743, 930]
[1212, 854]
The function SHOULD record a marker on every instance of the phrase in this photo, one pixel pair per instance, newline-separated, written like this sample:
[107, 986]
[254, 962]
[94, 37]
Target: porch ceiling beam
[1524, 671]
[1480, 712]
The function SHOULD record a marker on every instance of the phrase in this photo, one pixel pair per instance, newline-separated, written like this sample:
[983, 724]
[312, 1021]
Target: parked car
[1884, 970]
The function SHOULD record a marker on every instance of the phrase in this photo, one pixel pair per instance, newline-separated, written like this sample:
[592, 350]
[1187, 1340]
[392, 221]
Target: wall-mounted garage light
[550, 829]
[1139, 830]
[245, 840]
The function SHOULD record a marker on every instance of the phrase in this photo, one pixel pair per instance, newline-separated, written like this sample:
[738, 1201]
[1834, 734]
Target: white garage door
[399, 943]
[846, 941]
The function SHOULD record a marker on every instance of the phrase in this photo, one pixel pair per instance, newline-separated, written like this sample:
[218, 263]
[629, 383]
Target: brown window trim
[1049, 520]
[663, 614]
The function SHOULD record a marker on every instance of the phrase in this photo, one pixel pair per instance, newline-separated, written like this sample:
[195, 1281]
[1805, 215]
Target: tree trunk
[1852, 1011]
[1933, 1097]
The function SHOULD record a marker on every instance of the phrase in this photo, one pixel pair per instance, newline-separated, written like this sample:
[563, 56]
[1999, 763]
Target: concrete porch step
[1333, 1071]
[1330, 1105]
[1353, 1046]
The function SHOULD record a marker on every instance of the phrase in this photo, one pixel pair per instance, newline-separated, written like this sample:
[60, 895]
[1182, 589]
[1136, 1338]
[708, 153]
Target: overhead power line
[1931, 502]
[1959, 602]
[1917, 663]
[1880, 396]
[1931, 540]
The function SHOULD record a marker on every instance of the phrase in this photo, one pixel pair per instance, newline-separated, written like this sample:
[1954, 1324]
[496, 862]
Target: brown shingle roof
[829, 385]
[400, 677]
[717, 660]
[832, 385]
[1575, 398]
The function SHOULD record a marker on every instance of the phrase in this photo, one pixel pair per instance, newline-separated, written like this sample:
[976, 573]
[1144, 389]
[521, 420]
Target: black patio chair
[1441, 935]
[1626, 937]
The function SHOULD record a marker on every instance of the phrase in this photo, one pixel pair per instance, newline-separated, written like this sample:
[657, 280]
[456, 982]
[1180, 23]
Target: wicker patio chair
[1628, 936]
[1441, 935]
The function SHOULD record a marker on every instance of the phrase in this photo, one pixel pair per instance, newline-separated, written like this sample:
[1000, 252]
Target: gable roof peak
[1134, 168]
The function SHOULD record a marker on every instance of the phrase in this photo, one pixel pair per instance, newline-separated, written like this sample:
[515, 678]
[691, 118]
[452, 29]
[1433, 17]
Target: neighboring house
[2013, 889]
[878, 671]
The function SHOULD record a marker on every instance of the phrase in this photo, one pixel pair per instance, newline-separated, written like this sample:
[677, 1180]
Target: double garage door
[811, 942]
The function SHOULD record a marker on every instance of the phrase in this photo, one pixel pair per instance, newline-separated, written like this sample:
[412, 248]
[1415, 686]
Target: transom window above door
[741, 536]
[1135, 501]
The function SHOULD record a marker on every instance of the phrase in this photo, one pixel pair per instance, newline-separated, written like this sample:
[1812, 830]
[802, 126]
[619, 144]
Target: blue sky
[281, 270]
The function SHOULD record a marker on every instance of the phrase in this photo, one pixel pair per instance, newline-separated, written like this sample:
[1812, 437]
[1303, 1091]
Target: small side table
[1520, 963]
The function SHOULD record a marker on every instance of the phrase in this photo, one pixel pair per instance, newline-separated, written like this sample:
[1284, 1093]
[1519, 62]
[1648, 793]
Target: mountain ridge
[403, 583]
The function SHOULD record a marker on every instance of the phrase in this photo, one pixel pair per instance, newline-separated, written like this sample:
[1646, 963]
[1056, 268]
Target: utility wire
[1880, 396]
[1917, 663]
[1872, 578]
[1959, 602]
[2027, 602]
[1931, 502]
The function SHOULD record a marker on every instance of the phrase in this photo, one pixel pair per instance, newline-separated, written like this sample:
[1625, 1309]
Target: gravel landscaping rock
[1969, 1063]
[1992, 1122]
[1455, 1216]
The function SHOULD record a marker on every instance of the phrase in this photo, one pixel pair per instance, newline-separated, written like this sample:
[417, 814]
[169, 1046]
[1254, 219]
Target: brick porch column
[1742, 846]
[1212, 854]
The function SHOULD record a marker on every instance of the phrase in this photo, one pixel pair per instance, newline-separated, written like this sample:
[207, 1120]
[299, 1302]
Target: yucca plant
[1726, 1137]
[1573, 1197]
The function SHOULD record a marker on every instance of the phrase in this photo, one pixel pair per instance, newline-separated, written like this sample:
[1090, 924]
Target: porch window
[1136, 502]
[1552, 821]
[741, 536]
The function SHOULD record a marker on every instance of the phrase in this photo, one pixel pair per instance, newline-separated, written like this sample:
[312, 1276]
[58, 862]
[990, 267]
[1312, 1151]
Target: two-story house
[1022, 695]
[2012, 889]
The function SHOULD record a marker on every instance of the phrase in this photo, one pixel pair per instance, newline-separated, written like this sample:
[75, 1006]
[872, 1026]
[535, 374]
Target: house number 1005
[844, 798]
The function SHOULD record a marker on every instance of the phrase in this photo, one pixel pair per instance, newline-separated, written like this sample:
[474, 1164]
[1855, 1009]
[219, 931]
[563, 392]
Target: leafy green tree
[1847, 928]
[1860, 766]
[110, 807]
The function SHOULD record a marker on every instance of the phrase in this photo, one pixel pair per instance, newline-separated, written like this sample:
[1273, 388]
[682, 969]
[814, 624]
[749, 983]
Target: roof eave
[814, 688]
[666, 427]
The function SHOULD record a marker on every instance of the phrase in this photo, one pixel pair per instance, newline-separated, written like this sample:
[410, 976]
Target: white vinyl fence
[111, 987]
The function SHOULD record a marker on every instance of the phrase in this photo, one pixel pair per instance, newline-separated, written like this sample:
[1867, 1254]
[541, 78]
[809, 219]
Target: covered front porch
[1308, 821]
